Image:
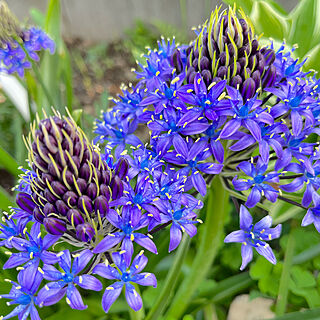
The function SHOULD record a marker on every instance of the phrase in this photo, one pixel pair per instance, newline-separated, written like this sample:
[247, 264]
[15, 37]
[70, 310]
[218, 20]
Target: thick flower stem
[210, 240]
[285, 277]
[170, 282]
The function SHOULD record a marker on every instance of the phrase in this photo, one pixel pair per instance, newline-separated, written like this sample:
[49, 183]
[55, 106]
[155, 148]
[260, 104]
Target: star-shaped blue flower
[254, 236]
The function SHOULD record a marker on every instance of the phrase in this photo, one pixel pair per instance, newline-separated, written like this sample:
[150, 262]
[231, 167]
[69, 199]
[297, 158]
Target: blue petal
[145, 242]
[74, 299]
[106, 271]
[267, 252]
[264, 223]
[199, 183]
[247, 254]
[80, 262]
[138, 263]
[308, 218]
[107, 243]
[245, 218]
[145, 279]
[235, 236]
[86, 281]
[110, 295]
[175, 237]
[133, 298]
[253, 198]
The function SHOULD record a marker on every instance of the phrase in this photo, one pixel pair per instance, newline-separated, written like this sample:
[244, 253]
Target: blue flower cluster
[15, 55]
[222, 108]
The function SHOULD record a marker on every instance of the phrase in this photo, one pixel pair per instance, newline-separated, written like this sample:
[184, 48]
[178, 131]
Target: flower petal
[74, 298]
[110, 295]
[245, 218]
[247, 254]
[133, 298]
[86, 281]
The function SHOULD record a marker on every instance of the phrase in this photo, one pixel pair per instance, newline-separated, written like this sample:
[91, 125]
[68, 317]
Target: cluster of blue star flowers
[223, 106]
[19, 47]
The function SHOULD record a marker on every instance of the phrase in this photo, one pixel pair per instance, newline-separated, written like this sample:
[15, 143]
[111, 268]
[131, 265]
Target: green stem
[39, 78]
[285, 277]
[210, 239]
[43, 86]
[170, 281]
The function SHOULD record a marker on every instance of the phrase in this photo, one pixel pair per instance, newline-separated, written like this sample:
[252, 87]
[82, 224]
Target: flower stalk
[211, 239]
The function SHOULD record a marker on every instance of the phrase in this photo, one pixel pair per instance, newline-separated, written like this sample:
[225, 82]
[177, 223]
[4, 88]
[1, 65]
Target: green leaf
[8, 162]
[305, 30]
[313, 57]
[246, 5]
[268, 275]
[302, 278]
[38, 17]
[5, 199]
[268, 20]
[313, 314]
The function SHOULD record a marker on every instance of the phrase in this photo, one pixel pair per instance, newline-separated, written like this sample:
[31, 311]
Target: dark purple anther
[85, 232]
[48, 208]
[204, 63]
[236, 81]
[191, 77]
[256, 78]
[75, 217]
[248, 89]
[70, 198]
[122, 168]
[38, 215]
[54, 226]
[85, 204]
[105, 191]
[82, 184]
[49, 196]
[222, 59]
[116, 187]
[176, 61]
[84, 171]
[207, 77]
[269, 77]
[105, 177]
[58, 188]
[25, 202]
[269, 56]
[254, 46]
[222, 72]
[101, 205]
[62, 208]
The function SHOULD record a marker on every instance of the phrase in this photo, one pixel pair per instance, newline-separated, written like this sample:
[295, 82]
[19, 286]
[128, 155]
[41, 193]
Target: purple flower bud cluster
[227, 49]
[15, 54]
[73, 186]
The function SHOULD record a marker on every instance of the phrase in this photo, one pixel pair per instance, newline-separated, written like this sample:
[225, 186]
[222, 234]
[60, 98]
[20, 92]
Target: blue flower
[260, 182]
[254, 236]
[310, 172]
[183, 219]
[13, 56]
[32, 250]
[8, 230]
[313, 213]
[129, 221]
[64, 282]
[23, 294]
[191, 154]
[296, 97]
[126, 276]
[247, 115]
[204, 102]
